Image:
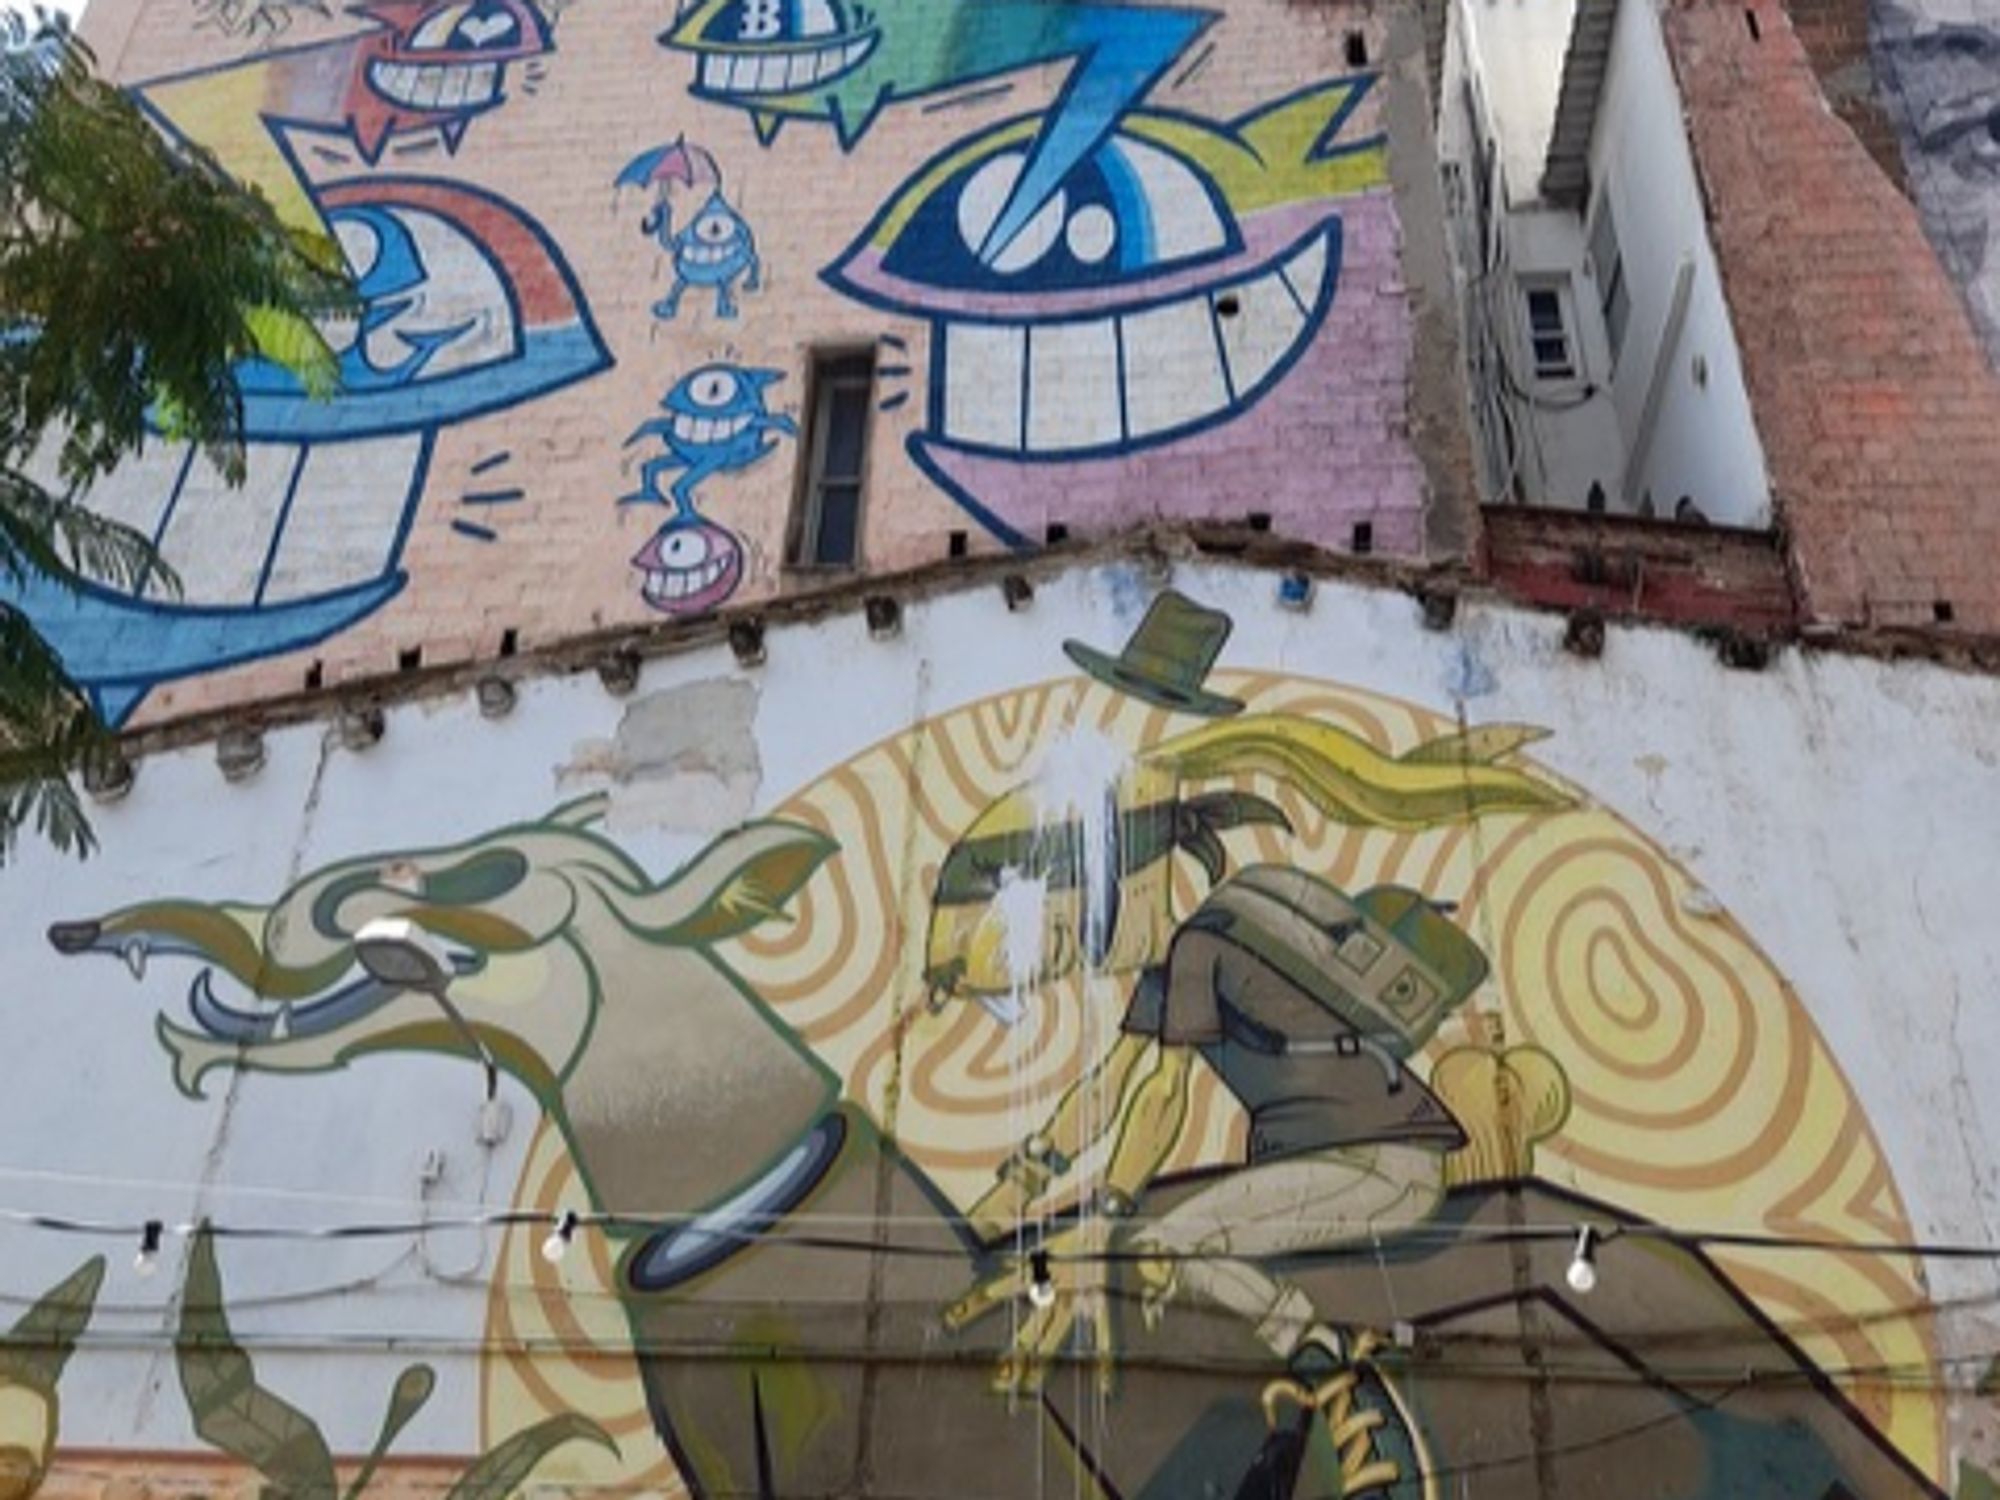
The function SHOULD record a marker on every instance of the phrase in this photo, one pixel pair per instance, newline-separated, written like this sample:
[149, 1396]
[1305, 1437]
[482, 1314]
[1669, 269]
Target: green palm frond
[136, 277]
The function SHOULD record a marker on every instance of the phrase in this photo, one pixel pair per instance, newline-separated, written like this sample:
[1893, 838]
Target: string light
[1582, 1272]
[1041, 1285]
[148, 1259]
[556, 1246]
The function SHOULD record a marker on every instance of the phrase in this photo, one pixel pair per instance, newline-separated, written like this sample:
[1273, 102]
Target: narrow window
[1549, 338]
[827, 526]
[1608, 264]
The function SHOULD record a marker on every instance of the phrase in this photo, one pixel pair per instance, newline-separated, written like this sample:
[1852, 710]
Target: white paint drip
[1018, 906]
[1077, 785]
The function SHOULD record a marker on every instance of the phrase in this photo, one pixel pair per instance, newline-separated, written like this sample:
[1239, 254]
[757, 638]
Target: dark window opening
[1364, 536]
[409, 660]
[826, 530]
[1549, 337]
[1357, 50]
[510, 641]
[1056, 534]
[957, 544]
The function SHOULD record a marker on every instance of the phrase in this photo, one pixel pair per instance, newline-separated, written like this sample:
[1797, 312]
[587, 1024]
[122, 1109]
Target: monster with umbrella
[715, 248]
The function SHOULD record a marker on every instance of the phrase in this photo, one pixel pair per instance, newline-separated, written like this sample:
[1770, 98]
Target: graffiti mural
[1163, 312]
[467, 307]
[716, 422]
[1937, 66]
[1232, 1026]
[715, 249]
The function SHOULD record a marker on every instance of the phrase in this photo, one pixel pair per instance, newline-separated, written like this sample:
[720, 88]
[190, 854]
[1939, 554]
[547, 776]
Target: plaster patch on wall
[683, 759]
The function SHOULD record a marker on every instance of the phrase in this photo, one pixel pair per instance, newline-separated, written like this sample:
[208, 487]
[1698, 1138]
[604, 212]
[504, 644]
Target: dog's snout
[74, 937]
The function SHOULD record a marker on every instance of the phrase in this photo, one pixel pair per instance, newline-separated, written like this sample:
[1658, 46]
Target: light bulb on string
[556, 1246]
[148, 1259]
[1582, 1272]
[1041, 1286]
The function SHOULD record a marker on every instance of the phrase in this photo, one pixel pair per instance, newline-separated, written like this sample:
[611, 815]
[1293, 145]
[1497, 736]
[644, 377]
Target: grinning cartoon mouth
[781, 70]
[438, 86]
[1150, 374]
[689, 566]
[701, 254]
[710, 429]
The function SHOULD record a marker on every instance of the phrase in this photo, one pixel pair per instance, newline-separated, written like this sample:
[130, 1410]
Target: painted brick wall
[1880, 418]
[1179, 287]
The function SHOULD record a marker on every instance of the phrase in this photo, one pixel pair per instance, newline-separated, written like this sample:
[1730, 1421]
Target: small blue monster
[715, 422]
[713, 249]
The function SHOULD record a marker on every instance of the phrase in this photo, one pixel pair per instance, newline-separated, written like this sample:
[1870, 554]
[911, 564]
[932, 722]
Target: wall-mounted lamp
[1017, 591]
[556, 1245]
[1295, 591]
[107, 777]
[397, 952]
[1582, 1272]
[619, 672]
[1583, 635]
[746, 639]
[496, 697]
[240, 753]
[361, 726]
[885, 616]
[1439, 607]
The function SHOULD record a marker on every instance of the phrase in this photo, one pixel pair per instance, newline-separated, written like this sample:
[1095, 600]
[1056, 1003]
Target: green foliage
[1974, 1483]
[34, 1351]
[235, 1413]
[135, 276]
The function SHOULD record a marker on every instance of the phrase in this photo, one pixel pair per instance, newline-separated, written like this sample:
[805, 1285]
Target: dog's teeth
[282, 1027]
[134, 953]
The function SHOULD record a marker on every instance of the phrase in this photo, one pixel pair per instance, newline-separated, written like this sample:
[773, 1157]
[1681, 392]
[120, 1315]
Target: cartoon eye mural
[1170, 286]
[467, 309]
[451, 58]
[689, 566]
[757, 47]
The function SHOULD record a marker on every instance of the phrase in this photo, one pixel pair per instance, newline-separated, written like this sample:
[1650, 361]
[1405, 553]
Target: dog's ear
[743, 878]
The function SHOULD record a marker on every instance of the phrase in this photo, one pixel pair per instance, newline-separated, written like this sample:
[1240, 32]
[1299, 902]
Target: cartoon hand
[1080, 1277]
[1018, 1183]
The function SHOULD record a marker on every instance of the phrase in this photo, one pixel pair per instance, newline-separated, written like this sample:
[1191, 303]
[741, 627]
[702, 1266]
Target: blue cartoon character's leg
[725, 305]
[755, 280]
[684, 487]
[670, 305]
[653, 469]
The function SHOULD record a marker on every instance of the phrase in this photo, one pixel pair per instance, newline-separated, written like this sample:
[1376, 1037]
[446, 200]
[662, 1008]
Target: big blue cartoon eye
[1130, 208]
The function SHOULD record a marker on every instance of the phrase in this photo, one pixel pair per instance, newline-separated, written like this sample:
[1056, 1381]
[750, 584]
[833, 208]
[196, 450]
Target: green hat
[1167, 658]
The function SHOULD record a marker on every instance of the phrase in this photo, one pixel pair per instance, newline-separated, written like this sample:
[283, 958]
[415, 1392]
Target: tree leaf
[1482, 745]
[35, 1350]
[230, 1410]
[1974, 1483]
[506, 1468]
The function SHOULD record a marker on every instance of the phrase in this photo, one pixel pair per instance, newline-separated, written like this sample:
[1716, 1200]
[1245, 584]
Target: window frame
[1557, 285]
[803, 532]
[1614, 297]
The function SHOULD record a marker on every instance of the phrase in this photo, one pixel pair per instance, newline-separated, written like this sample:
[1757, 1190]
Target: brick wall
[1252, 351]
[1835, 36]
[1879, 415]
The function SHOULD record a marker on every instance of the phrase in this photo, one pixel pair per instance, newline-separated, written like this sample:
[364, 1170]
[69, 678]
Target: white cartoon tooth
[456, 83]
[743, 75]
[772, 72]
[218, 535]
[1306, 272]
[345, 516]
[428, 85]
[1073, 386]
[800, 69]
[983, 366]
[484, 84]
[1265, 326]
[1173, 370]
[684, 428]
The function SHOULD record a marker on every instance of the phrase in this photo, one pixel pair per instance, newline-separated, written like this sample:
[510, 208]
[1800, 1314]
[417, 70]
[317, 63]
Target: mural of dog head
[534, 927]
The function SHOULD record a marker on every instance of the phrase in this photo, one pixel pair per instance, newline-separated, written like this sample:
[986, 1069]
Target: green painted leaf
[231, 1411]
[412, 1389]
[506, 1468]
[294, 344]
[1974, 1483]
[35, 1350]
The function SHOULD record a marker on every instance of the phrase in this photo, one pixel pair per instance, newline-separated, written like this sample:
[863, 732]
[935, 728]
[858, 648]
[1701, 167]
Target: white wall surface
[1842, 810]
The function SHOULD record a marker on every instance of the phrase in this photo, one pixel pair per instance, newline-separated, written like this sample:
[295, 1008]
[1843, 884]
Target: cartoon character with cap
[1305, 1001]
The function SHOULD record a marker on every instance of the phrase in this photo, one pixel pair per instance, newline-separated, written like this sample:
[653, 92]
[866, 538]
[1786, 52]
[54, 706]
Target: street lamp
[396, 951]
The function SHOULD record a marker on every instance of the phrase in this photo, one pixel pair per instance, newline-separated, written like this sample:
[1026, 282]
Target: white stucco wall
[1704, 442]
[1840, 809]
